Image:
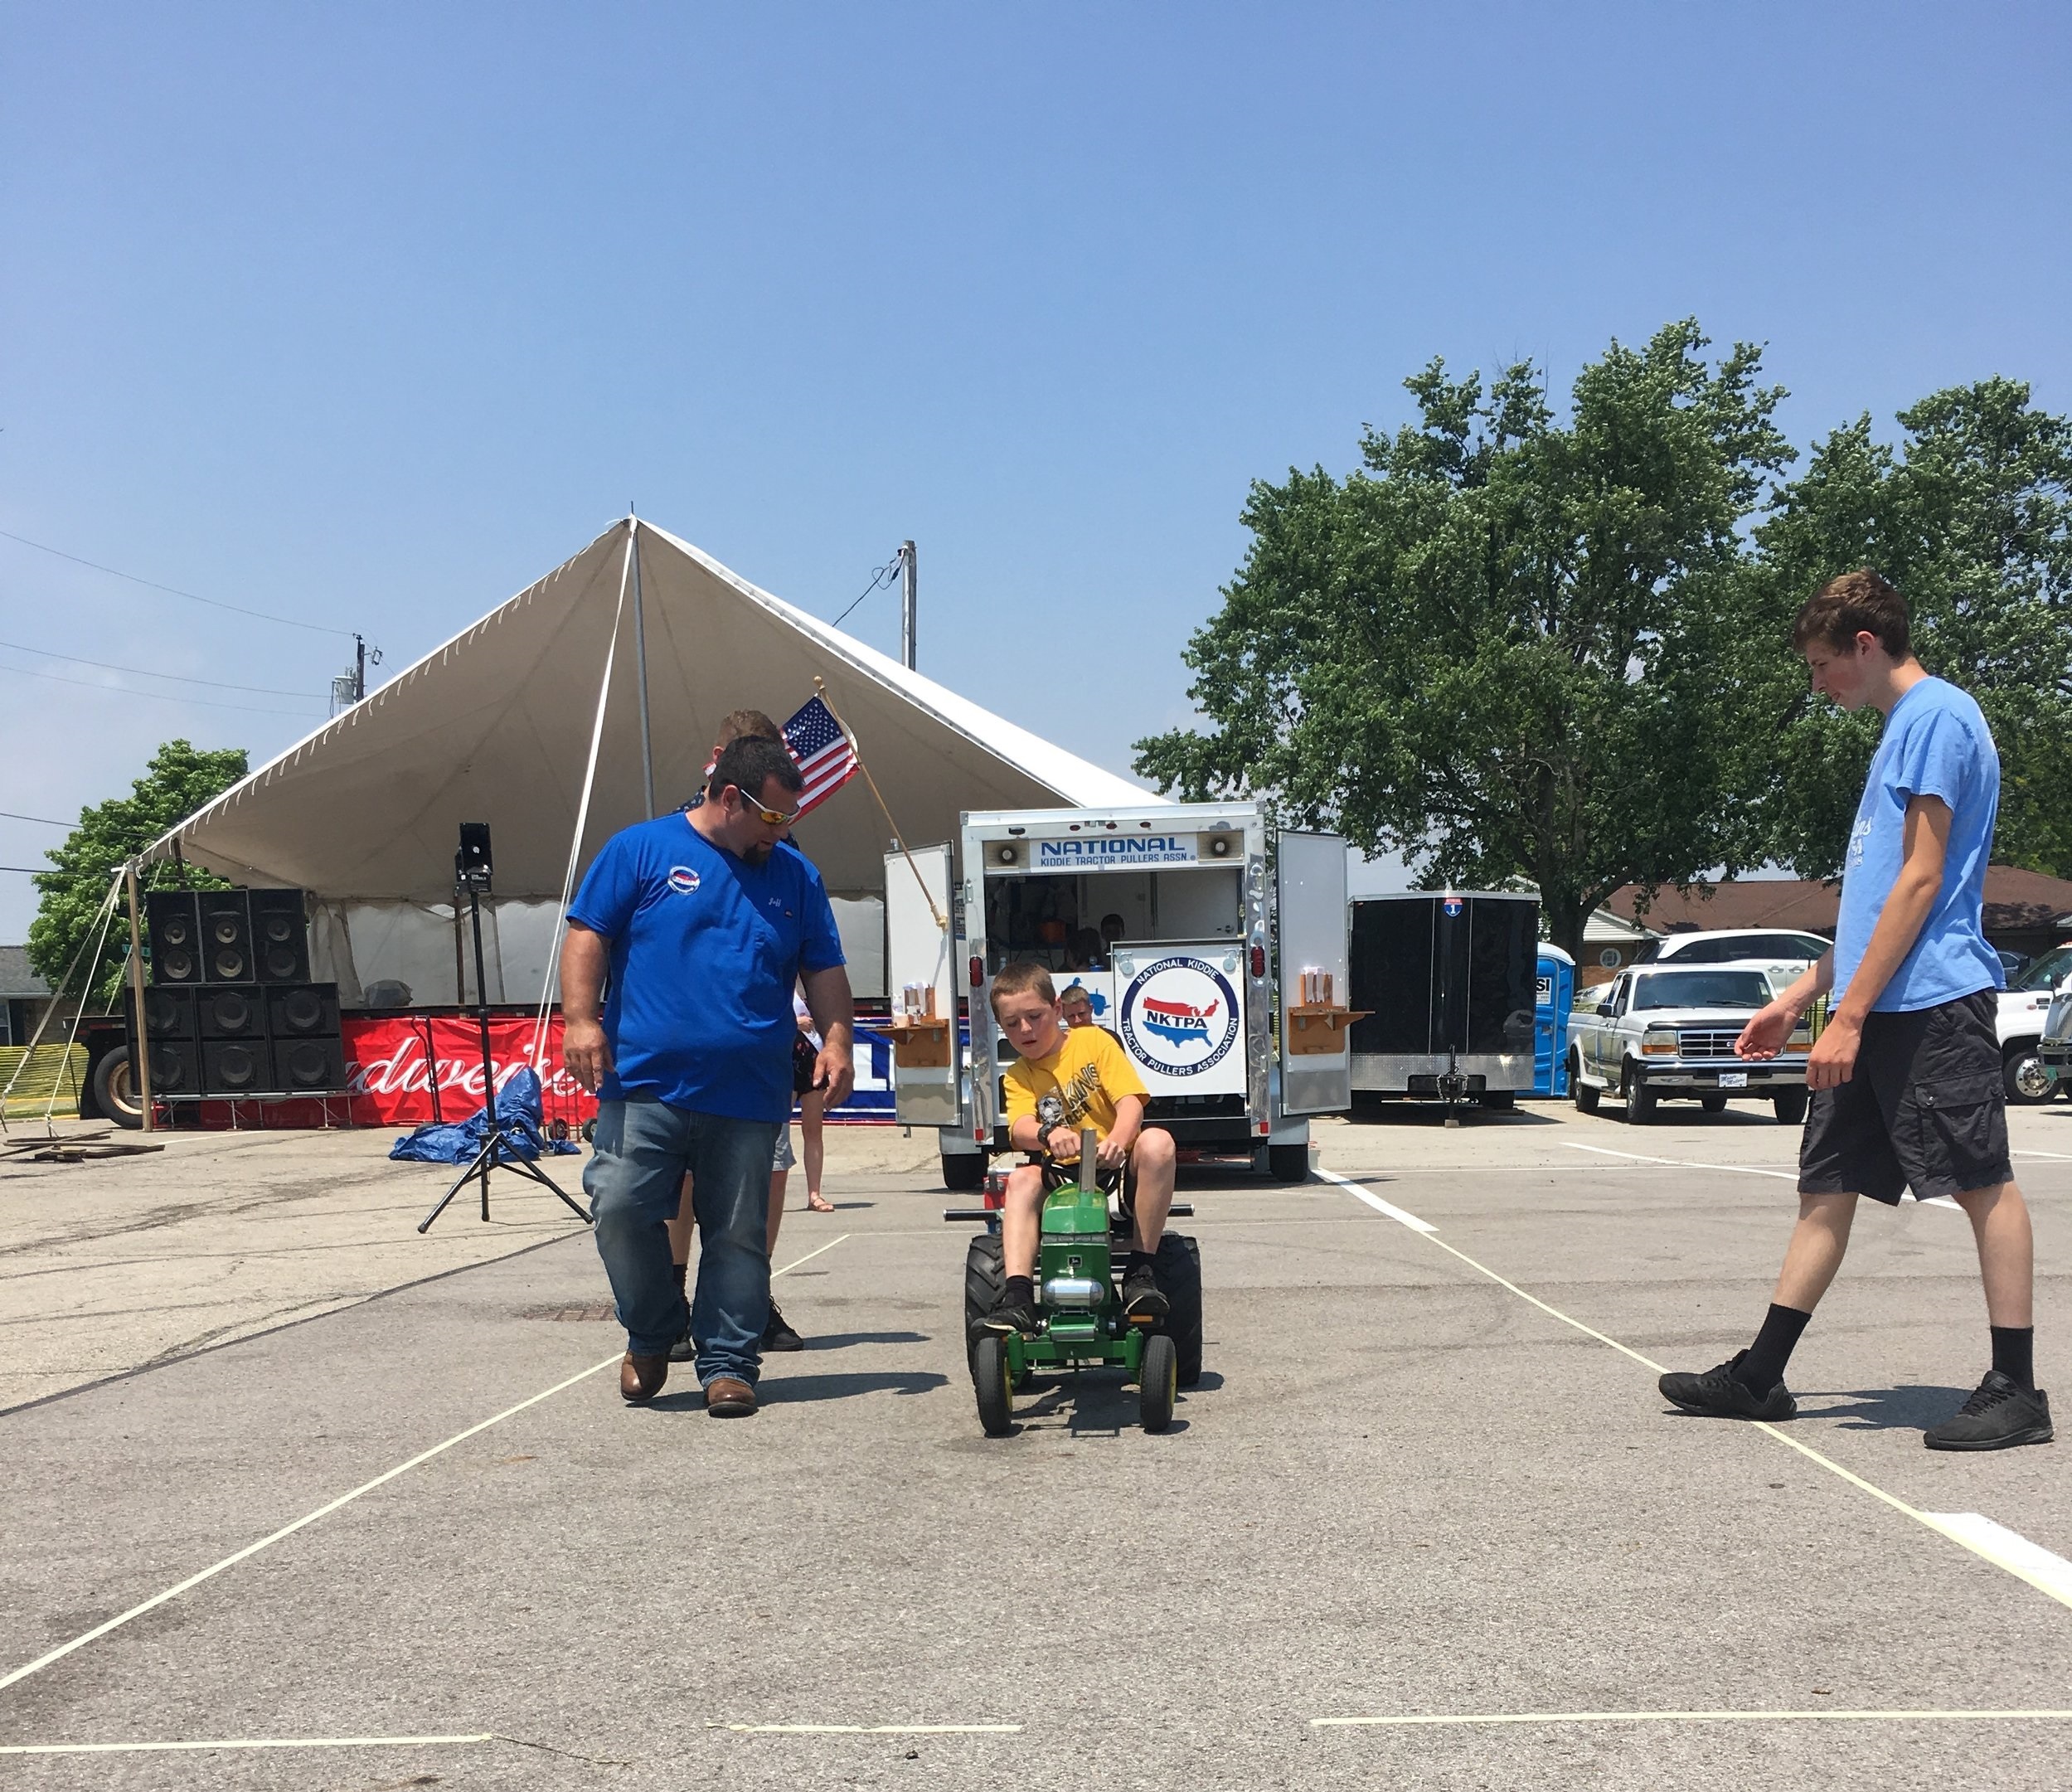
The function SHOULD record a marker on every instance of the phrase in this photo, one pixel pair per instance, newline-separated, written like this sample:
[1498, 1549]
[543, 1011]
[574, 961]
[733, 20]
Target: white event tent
[501, 724]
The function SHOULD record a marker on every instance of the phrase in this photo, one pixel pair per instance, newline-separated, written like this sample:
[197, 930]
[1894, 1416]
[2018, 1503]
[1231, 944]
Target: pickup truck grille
[1693, 1043]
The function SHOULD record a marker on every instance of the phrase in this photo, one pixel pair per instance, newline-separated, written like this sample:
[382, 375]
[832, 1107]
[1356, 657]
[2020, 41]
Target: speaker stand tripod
[498, 1151]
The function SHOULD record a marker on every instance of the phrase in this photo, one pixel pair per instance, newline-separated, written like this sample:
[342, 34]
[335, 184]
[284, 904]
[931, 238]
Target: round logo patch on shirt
[682, 879]
[1179, 1015]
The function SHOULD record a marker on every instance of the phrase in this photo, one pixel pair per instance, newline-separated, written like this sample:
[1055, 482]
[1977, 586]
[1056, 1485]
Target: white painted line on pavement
[2056, 1157]
[193, 1581]
[242, 1742]
[872, 1729]
[1680, 1716]
[1973, 1538]
[1737, 1169]
[1377, 1203]
[2046, 1572]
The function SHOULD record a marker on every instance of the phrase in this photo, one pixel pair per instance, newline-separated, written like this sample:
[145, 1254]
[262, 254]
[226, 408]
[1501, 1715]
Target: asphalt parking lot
[1425, 1523]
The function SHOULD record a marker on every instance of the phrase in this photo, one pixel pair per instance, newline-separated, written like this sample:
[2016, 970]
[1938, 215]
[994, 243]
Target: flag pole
[899, 840]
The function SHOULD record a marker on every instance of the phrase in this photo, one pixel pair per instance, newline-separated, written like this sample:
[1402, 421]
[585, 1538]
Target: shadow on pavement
[843, 1340]
[1888, 1409]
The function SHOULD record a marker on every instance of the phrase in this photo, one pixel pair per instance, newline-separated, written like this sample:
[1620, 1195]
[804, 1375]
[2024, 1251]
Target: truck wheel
[2027, 1077]
[1178, 1268]
[989, 1378]
[964, 1171]
[1287, 1163]
[116, 1091]
[1791, 1107]
[1640, 1104]
[1157, 1383]
[1713, 1104]
[983, 1280]
[1585, 1095]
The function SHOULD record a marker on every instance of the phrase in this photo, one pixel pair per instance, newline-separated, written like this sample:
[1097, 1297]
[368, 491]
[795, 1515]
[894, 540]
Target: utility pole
[908, 613]
[140, 1033]
[359, 668]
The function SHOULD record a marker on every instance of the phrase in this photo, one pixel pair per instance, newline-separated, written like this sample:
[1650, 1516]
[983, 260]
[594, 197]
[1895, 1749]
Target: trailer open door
[1316, 1047]
[927, 1060]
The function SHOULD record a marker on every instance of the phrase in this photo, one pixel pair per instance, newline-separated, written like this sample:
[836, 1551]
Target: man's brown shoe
[640, 1378]
[727, 1398]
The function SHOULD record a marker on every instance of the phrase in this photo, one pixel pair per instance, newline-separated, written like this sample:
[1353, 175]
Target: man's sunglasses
[771, 818]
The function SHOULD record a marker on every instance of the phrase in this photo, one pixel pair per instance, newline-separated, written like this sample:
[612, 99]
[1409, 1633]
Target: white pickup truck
[1662, 1033]
[2024, 1006]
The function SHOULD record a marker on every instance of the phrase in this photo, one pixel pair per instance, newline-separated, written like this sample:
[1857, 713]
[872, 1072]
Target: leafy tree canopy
[178, 780]
[1509, 643]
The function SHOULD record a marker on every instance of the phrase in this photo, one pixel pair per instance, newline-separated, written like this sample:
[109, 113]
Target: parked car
[1666, 1031]
[2024, 1006]
[2056, 1046]
[1768, 946]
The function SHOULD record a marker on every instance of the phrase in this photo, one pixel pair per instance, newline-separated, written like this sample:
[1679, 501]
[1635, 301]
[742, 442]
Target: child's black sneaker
[1012, 1315]
[779, 1336]
[2000, 1414]
[1720, 1394]
[1141, 1297]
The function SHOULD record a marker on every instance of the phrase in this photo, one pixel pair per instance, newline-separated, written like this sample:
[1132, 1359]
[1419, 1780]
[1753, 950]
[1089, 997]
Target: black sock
[1762, 1364]
[2014, 1354]
[680, 1270]
[1138, 1259]
[1020, 1291]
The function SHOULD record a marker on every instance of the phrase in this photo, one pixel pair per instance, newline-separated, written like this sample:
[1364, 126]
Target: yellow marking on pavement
[1681, 1716]
[1988, 1544]
[241, 1742]
[193, 1581]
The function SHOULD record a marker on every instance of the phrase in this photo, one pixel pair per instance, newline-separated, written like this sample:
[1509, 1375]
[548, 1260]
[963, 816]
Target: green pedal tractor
[1080, 1258]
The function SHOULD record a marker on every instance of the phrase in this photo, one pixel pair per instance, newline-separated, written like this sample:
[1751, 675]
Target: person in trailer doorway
[704, 901]
[1906, 1075]
[752, 724]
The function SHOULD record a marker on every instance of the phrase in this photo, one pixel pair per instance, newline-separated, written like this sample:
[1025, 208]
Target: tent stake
[898, 839]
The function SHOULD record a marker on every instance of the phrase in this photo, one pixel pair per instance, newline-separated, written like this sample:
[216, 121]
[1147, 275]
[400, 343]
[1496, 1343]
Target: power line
[45, 820]
[214, 603]
[162, 696]
[883, 575]
[145, 672]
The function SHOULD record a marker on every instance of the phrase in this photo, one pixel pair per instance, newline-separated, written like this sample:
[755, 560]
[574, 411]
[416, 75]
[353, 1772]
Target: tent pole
[640, 669]
[140, 1037]
[909, 604]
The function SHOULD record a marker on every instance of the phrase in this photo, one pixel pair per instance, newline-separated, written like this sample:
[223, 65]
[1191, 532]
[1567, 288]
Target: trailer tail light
[1258, 961]
[977, 967]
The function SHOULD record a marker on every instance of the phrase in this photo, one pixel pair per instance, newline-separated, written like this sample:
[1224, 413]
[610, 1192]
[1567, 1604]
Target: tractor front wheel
[1157, 1383]
[989, 1378]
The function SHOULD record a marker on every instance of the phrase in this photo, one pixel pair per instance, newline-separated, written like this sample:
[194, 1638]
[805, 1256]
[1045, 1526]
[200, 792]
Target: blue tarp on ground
[456, 1142]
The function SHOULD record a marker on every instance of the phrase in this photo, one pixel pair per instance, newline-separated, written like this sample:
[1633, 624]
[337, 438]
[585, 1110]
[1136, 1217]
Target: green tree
[1971, 517]
[177, 781]
[1509, 643]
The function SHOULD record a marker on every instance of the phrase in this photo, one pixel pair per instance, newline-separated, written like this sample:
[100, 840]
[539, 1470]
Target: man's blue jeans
[643, 1150]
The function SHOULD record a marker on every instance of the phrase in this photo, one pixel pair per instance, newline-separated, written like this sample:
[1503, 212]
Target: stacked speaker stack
[230, 1010]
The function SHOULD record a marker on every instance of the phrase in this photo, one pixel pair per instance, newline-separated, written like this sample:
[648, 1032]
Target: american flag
[824, 754]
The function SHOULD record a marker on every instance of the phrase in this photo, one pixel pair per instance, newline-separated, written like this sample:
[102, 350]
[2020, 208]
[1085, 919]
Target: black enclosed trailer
[1448, 982]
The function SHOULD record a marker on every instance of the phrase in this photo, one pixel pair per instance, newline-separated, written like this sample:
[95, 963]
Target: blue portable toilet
[1552, 996]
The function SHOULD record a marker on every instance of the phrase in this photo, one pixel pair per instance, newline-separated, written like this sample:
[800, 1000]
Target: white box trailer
[1197, 946]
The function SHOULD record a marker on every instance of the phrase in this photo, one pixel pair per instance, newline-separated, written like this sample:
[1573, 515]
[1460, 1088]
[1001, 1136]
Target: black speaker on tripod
[173, 924]
[227, 937]
[280, 936]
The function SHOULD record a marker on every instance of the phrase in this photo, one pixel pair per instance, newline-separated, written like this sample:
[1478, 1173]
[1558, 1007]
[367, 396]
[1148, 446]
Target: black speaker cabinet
[280, 936]
[309, 1067]
[301, 1011]
[233, 1012]
[226, 937]
[236, 1067]
[169, 1012]
[176, 1067]
[174, 930]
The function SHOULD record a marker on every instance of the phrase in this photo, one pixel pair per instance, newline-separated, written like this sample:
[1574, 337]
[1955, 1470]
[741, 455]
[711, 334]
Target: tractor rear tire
[964, 1171]
[989, 1378]
[1178, 1268]
[983, 1280]
[1157, 1383]
[1287, 1163]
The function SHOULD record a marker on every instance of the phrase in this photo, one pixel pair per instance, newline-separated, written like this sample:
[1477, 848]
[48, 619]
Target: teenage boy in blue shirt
[1906, 1077]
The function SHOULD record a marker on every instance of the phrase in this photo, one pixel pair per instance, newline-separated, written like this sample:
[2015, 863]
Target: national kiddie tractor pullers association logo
[1179, 1017]
[682, 879]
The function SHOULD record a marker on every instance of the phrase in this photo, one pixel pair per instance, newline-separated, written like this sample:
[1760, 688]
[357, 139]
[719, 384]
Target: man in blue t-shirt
[700, 927]
[1906, 1075]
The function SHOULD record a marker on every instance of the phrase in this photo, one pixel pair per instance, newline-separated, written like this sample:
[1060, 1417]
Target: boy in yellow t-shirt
[1060, 1082]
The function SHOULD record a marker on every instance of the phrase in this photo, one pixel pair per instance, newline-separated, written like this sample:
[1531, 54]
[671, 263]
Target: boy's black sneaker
[779, 1336]
[1142, 1296]
[1011, 1315]
[2000, 1414]
[1720, 1394]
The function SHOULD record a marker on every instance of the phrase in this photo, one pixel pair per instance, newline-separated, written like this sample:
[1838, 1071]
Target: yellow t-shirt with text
[1088, 1072]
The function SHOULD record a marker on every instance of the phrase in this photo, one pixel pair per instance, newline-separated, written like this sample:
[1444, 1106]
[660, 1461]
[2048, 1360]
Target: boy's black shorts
[1925, 1108]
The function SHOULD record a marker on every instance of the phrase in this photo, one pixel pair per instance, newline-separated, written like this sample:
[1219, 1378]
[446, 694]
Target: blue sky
[369, 315]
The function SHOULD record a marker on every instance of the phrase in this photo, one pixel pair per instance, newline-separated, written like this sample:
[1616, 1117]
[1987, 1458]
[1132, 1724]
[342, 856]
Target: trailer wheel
[989, 1379]
[964, 1171]
[1287, 1163]
[1585, 1094]
[1178, 1268]
[116, 1091]
[1498, 1100]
